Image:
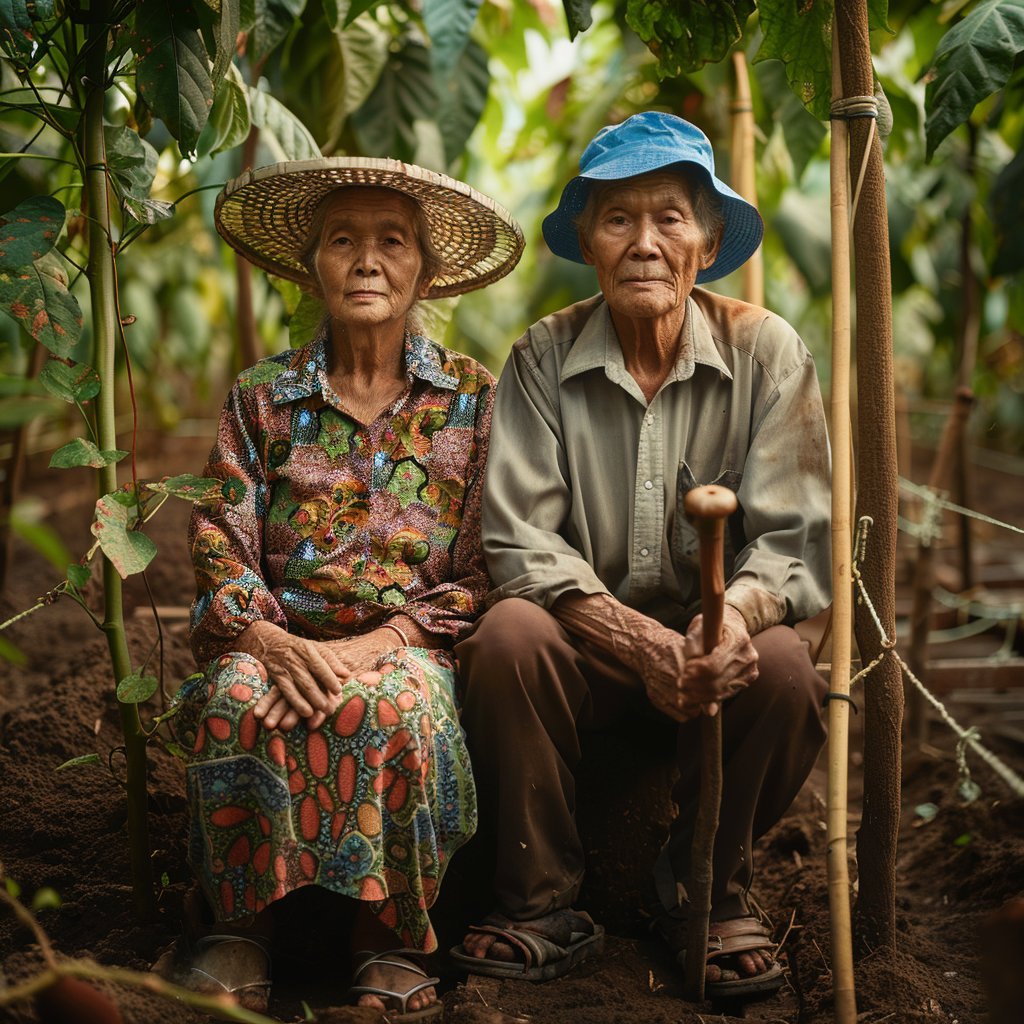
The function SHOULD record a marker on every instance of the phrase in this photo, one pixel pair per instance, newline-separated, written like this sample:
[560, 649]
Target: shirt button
[649, 418]
[644, 552]
[648, 484]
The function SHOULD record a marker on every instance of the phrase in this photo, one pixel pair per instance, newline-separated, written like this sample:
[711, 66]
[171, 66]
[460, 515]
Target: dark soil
[67, 831]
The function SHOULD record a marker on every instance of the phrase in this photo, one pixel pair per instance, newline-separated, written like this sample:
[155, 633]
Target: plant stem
[102, 285]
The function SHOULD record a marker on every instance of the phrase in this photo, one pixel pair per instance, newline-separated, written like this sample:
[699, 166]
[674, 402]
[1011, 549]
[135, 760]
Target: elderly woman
[607, 414]
[335, 571]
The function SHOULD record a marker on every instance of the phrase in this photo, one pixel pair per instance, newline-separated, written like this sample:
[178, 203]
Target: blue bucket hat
[645, 142]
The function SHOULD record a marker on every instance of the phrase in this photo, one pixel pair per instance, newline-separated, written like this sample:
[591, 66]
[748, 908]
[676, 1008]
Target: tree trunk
[877, 497]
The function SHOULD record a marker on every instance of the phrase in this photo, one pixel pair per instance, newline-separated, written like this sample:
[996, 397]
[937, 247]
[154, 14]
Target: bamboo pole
[842, 591]
[742, 173]
[707, 508]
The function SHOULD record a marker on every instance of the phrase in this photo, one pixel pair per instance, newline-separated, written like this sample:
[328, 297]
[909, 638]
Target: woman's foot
[393, 975]
[236, 964]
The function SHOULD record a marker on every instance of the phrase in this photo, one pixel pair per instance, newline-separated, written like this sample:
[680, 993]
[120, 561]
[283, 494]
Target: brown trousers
[529, 687]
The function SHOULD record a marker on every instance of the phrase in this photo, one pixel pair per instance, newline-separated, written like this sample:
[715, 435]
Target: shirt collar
[306, 375]
[598, 346]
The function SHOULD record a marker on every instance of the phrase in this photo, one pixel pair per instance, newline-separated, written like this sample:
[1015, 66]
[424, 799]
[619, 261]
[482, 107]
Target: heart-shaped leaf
[79, 575]
[37, 297]
[132, 161]
[128, 550]
[81, 452]
[30, 231]
[136, 688]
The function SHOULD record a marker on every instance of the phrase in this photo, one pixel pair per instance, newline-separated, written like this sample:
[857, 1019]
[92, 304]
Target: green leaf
[973, 60]
[46, 899]
[305, 321]
[271, 21]
[12, 887]
[30, 231]
[81, 452]
[1007, 205]
[26, 520]
[17, 411]
[11, 653]
[293, 137]
[148, 211]
[878, 16]
[356, 8]
[37, 297]
[80, 762]
[926, 811]
[128, 550]
[802, 131]
[78, 575]
[185, 485]
[687, 34]
[231, 118]
[965, 840]
[385, 125]
[577, 14]
[132, 161]
[173, 70]
[800, 35]
[165, 880]
[463, 96]
[448, 23]
[175, 750]
[136, 688]
[363, 49]
[74, 382]
[220, 29]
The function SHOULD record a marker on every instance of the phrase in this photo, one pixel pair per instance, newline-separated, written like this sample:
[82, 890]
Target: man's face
[646, 245]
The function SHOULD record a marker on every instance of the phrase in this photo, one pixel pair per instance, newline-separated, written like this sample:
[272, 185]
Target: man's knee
[786, 675]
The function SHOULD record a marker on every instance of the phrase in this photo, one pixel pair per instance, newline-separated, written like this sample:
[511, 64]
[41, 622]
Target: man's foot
[234, 964]
[536, 950]
[740, 954]
[390, 981]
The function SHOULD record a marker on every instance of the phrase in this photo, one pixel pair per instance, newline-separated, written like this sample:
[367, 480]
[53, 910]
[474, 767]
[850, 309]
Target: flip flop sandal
[727, 938]
[399, 999]
[209, 941]
[568, 937]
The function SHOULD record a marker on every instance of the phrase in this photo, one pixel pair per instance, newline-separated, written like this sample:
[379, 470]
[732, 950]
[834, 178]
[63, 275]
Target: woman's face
[369, 262]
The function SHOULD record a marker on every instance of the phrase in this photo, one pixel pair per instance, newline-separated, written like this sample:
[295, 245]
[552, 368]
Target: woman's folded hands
[307, 675]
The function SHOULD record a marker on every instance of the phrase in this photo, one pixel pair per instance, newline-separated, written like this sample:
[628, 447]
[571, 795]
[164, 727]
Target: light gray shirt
[585, 480]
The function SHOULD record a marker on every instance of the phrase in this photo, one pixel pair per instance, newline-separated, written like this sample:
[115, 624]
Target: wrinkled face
[369, 262]
[647, 245]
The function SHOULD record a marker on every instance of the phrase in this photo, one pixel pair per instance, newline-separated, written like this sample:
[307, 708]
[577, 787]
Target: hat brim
[741, 236]
[266, 214]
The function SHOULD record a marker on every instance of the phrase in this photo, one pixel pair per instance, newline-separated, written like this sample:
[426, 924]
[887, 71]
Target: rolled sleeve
[527, 497]
[783, 574]
[226, 540]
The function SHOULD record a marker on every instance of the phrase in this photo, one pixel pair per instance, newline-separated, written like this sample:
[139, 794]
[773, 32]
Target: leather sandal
[400, 1000]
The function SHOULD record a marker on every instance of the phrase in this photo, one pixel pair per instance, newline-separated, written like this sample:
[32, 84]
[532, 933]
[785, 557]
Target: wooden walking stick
[707, 508]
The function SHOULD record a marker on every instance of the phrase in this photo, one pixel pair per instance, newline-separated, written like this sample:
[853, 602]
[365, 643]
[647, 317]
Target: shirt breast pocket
[685, 545]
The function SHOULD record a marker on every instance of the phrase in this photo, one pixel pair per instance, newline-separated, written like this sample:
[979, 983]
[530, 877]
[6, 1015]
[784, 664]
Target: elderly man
[607, 414]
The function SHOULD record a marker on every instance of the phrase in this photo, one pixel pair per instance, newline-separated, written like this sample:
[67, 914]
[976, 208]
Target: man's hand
[729, 668]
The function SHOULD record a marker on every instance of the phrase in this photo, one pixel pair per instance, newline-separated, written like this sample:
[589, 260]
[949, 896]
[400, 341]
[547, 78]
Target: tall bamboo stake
[842, 592]
[742, 174]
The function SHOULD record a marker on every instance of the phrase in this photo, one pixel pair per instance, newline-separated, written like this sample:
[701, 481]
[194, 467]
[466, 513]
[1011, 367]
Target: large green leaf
[448, 23]
[363, 46]
[292, 135]
[231, 118]
[173, 73]
[355, 8]
[577, 14]
[271, 21]
[305, 321]
[128, 550]
[16, 18]
[30, 231]
[973, 60]
[37, 297]
[463, 96]
[1007, 203]
[132, 161]
[802, 131]
[81, 452]
[220, 33]
[385, 125]
[687, 34]
[72, 383]
[800, 35]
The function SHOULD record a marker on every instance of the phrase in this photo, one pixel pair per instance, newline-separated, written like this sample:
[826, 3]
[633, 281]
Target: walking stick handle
[707, 508]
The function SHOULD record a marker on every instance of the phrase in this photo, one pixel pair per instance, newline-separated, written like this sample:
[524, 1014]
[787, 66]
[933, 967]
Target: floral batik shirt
[328, 526]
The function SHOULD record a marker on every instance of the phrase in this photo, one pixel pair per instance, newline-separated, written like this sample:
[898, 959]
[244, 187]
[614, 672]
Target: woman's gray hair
[706, 203]
[433, 264]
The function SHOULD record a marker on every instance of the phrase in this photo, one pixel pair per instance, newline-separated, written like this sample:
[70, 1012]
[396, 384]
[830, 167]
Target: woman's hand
[730, 667]
[357, 655]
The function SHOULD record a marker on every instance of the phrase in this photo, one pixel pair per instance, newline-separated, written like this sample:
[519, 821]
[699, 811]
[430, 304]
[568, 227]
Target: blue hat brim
[741, 236]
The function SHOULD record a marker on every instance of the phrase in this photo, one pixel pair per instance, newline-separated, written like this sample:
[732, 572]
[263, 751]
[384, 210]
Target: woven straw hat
[265, 215]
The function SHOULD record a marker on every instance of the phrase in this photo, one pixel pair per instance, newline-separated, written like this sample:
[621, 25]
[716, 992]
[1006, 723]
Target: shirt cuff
[760, 608]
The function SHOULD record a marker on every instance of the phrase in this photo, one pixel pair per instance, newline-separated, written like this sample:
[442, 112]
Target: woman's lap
[371, 805]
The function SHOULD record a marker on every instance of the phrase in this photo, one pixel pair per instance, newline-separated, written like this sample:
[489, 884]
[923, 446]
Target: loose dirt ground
[67, 831]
